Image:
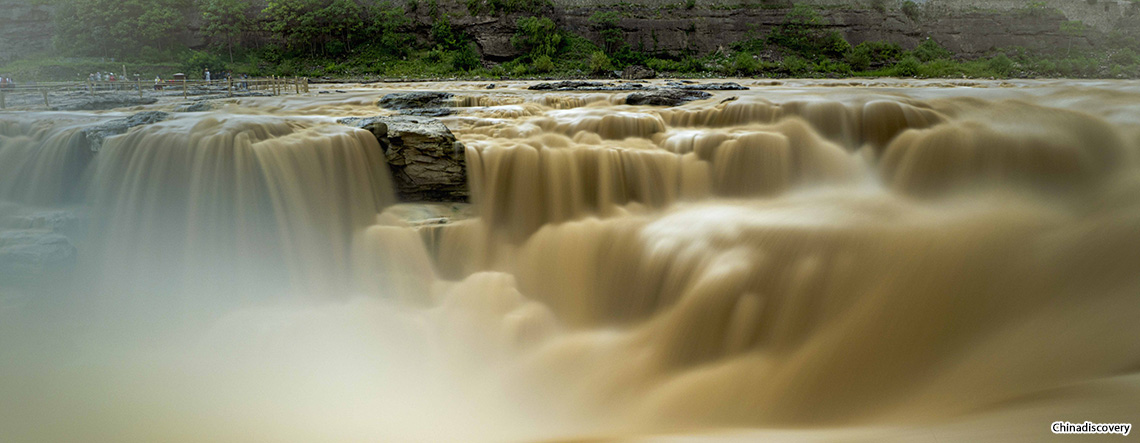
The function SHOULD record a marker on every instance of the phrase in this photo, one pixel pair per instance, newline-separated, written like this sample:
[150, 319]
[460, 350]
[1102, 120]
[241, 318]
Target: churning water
[869, 261]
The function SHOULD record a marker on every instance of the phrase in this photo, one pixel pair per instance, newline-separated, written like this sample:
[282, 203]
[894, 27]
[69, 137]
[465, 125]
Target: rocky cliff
[25, 29]
[962, 28]
[967, 27]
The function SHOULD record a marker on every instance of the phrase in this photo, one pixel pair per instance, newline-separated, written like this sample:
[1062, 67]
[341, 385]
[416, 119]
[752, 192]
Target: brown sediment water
[880, 260]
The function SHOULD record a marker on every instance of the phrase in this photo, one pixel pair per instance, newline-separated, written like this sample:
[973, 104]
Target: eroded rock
[637, 72]
[723, 86]
[665, 97]
[97, 134]
[104, 101]
[427, 162]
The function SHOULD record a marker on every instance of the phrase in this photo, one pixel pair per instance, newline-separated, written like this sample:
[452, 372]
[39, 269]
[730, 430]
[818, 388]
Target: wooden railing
[270, 85]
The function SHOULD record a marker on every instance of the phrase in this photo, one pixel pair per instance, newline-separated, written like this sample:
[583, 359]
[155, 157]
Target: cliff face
[25, 28]
[697, 31]
[967, 27]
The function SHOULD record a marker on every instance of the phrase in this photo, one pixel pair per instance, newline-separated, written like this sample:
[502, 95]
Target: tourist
[207, 75]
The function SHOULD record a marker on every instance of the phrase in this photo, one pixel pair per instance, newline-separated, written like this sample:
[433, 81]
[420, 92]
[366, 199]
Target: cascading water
[791, 263]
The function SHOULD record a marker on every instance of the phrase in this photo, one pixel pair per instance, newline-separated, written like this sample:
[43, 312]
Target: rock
[416, 100]
[104, 101]
[428, 112]
[665, 97]
[33, 253]
[378, 129]
[566, 85]
[421, 103]
[578, 85]
[491, 86]
[637, 72]
[198, 106]
[427, 162]
[725, 86]
[97, 134]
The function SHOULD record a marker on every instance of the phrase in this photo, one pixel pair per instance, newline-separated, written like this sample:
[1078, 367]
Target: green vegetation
[424, 38]
[497, 7]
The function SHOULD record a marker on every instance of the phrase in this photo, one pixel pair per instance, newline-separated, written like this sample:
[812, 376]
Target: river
[806, 260]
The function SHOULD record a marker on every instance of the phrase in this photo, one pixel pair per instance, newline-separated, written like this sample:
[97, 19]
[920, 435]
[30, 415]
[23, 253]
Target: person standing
[207, 75]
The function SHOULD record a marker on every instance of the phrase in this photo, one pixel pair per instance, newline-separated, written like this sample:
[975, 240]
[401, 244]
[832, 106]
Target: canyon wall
[967, 27]
[25, 29]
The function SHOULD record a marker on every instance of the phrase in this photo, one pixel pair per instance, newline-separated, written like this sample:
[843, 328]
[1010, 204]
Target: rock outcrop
[421, 103]
[103, 102]
[723, 86]
[95, 135]
[579, 85]
[637, 72]
[427, 162]
[665, 97]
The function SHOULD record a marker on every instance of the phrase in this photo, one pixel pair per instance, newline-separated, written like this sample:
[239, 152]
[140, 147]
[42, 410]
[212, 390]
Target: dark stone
[198, 106]
[427, 162]
[95, 135]
[428, 112]
[725, 86]
[103, 102]
[578, 85]
[567, 86]
[637, 72]
[416, 100]
[665, 97]
[378, 129]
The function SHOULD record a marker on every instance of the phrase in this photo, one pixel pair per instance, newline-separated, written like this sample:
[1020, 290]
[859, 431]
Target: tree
[114, 28]
[537, 36]
[225, 21]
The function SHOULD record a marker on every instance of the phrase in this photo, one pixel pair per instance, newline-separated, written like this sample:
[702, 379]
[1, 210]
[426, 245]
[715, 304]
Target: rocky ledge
[102, 102]
[97, 134]
[665, 97]
[580, 85]
[420, 103]
[427, 162]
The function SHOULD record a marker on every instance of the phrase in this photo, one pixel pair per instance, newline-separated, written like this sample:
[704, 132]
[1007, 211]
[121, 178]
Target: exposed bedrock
[427, 162]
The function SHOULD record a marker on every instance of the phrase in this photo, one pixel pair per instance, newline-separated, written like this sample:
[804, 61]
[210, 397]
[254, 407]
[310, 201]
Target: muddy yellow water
[875, 260]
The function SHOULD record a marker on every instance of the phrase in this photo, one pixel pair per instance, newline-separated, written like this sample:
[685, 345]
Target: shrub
[795, 66]
[198, 61]
[600, 63]
[466, 58]
[744, 64]
[537, 36]
[909, 66]
[543, 64]
[690, 65]
[874, 53]
[834, 68]
[910, 9]
[940, 68]
[930, 50]
[445, 36]
[859, 60]
[800, 31]
[1124, 57]
[1001, 65]
[833, 45]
